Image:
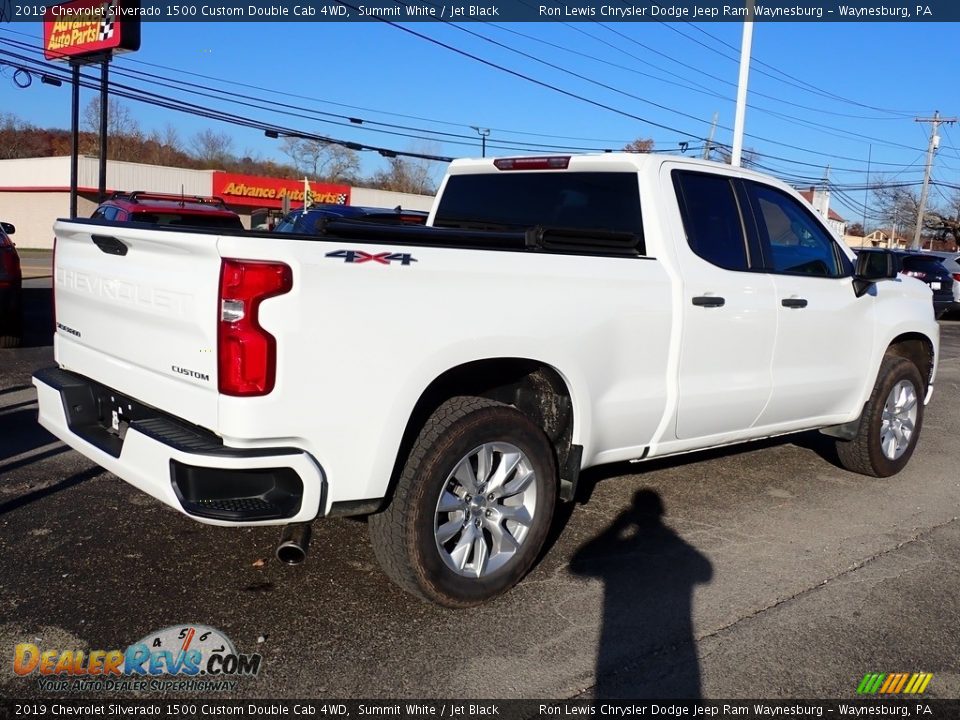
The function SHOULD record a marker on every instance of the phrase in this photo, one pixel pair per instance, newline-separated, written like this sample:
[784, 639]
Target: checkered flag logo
[108, 22]
[341, 199]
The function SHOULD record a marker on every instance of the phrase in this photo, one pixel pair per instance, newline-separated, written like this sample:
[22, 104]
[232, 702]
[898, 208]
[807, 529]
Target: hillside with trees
[209, 150]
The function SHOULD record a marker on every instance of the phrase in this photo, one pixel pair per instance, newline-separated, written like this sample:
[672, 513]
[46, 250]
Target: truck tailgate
[136, 310]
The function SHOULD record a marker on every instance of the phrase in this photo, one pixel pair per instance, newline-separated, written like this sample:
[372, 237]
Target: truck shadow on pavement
[647, 644]
[47, 490]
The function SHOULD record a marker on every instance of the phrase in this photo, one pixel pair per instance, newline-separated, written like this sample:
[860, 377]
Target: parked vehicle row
[311, 220]
[168, 210]
[939, 271]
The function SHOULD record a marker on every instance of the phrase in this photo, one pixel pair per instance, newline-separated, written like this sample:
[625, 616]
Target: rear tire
[890, 424]
[472, 506]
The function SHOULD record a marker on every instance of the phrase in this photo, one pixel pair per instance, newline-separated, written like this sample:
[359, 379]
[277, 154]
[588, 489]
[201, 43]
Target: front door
[825, 332]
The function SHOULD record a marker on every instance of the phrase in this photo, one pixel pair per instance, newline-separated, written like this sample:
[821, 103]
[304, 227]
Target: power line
[797, 82]
[238, 99]
[604, 85]
[300, 96]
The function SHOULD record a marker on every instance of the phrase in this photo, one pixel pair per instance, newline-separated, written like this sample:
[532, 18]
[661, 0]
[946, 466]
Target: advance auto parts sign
[90, 27]
[254, 191]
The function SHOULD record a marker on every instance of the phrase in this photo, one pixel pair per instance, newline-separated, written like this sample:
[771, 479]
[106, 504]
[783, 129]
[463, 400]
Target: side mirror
[8, 228]
[871, 267]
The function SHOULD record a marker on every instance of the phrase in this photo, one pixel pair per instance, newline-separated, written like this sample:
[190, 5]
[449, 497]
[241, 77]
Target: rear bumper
[181, 465]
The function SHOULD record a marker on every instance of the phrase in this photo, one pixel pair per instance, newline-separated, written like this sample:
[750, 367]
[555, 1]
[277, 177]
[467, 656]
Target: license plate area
[99, 415]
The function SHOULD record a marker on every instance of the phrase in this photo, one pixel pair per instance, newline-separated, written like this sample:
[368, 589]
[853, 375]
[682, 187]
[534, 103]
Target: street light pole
[484, 133]
[740, 117]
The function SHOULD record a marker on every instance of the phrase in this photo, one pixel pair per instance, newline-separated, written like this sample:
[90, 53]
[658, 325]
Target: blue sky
[847, 87]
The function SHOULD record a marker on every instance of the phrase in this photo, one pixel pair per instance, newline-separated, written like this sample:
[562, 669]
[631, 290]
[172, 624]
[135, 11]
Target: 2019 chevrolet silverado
[452, 381]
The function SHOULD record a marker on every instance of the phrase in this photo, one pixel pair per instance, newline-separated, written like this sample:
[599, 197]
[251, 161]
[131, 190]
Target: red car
[163, 209]
[11, 290]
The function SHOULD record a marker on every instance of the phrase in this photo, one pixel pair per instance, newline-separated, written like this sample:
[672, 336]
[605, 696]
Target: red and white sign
[256, 191]
[90, 27]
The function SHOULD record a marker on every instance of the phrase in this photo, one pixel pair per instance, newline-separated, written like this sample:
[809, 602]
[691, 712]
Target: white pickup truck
[452, 381]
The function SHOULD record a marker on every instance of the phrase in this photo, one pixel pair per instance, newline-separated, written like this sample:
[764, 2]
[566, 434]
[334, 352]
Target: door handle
[708, 301]
[109, 244]
[794, 303]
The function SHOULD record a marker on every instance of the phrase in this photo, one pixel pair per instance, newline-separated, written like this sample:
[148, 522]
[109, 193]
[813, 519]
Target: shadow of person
[647, 647]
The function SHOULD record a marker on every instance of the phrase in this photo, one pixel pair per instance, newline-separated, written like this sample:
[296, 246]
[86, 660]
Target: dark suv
[299, 221]
[11, 289]
[931, 270]
[175, 210]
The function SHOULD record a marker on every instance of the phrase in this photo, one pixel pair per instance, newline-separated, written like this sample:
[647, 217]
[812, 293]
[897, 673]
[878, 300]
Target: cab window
[711, 218]
[793, 240]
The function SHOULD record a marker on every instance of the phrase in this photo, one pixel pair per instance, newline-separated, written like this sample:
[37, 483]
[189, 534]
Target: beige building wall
[33, 214]
[390, 199]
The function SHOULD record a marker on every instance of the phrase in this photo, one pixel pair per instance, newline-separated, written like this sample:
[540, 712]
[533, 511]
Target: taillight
[246, 353]
[956, 276]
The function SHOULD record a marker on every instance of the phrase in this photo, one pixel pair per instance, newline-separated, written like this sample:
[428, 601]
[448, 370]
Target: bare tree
[164, 147]
[405, 175]
[18, 138]
[640, 145]
[946, 221]
[897, 205]
[417, 175]
[322, 161]
[212, 148]
[120, 121]
[748, 157]
[124, 136]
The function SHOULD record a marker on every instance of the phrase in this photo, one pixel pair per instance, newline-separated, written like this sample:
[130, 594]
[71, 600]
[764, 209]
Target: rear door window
[712, 219]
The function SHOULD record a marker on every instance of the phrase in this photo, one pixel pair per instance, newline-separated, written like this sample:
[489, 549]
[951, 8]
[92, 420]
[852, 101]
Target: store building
[34, 192]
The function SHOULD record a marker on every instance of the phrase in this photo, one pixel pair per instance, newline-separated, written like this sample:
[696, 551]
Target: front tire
[890, 424]
[472, 507]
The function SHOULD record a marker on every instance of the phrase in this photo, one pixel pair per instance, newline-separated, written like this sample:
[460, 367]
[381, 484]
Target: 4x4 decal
[384, 258]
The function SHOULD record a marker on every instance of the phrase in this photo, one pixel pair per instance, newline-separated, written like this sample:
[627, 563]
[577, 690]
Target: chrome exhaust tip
[294, 542]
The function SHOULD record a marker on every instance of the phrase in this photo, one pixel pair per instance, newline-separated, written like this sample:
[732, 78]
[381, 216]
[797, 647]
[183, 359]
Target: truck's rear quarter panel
[358, 343]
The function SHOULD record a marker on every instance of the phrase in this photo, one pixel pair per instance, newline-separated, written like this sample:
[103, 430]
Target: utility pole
[713, 129]
[484, 133]
[866, 190]
[935, 122]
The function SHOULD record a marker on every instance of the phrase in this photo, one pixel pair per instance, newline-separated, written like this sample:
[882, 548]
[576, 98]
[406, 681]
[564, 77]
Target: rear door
[136, 310]
[729, 313]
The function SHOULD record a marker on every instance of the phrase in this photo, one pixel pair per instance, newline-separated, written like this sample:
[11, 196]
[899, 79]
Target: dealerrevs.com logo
[187, 658]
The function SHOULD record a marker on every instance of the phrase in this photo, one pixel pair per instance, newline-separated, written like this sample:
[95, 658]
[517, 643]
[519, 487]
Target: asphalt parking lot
[763, 571]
